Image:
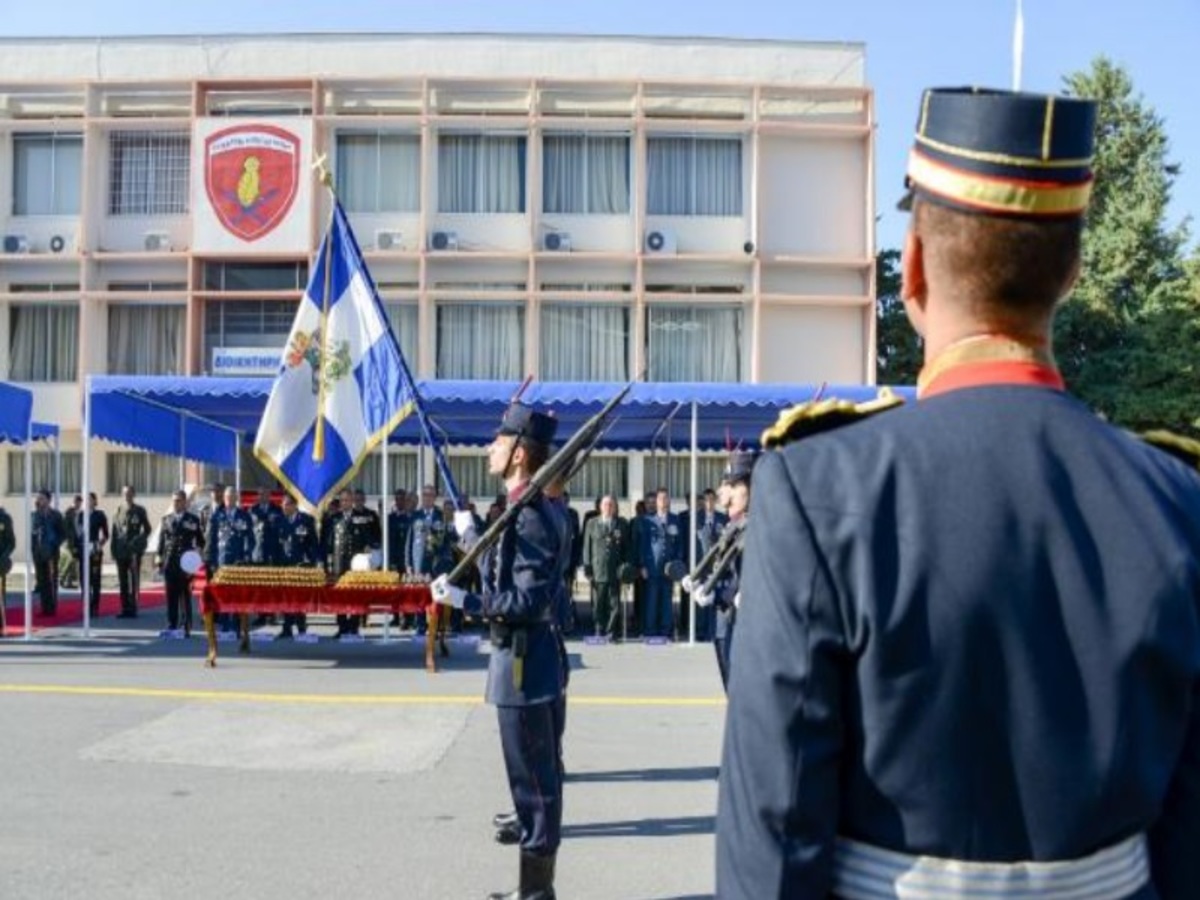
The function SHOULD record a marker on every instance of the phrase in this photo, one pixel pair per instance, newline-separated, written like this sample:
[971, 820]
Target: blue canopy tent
[17, 427]
[206, 419]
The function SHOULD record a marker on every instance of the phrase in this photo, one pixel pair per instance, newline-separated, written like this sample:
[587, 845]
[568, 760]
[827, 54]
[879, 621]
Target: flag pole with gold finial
[326, 178]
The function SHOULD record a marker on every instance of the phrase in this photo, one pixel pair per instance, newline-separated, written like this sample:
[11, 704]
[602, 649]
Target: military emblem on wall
[251, 173]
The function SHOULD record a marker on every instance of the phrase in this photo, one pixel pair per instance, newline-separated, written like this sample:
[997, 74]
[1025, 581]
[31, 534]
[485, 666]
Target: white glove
[688, 585]
[737, 600]
[702, 597]
[447, 594]
[463, 522]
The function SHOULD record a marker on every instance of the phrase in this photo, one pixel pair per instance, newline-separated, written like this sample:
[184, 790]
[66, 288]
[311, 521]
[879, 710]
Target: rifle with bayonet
[565, 462]
[717, 560]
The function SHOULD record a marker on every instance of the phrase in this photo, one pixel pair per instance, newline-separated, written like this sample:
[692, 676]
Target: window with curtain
[676, 474]
[694, 176]
[690, 343]
[146, 339]
[480, 340]
[146, 473]
[378, 171]
[43, 342]
[247, 323]
[404, 318]
[584, 342]
[471, 476]
[481, 173]
[601, 475]
[148, 173]
[402, 473]
[585, 173]
[42, 467]
[254, 473]
[47, 174]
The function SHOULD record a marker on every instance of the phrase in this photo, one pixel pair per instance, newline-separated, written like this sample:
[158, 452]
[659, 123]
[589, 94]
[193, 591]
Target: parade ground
[308, 771]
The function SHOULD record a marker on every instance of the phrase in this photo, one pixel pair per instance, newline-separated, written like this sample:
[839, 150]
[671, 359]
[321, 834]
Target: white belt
[863, 872]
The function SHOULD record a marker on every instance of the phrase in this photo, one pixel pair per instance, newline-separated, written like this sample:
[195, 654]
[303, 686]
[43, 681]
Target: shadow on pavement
[685, 825]
[693, 773]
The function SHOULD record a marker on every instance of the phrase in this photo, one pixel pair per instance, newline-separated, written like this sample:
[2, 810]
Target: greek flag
[343, 385]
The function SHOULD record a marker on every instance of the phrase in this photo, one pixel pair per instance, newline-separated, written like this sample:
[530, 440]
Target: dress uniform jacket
[47, 535]
[179, 533]
[522, 587]
[230, 538]
[427, 550]
[975, 633]
[298, 545]
[8, 542]
[398, 525]
[605, 549]
[130, 532]
[659, 542]
[347, 533]
[267, 519]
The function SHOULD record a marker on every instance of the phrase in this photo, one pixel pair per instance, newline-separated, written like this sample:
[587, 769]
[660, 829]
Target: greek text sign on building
[245, 361]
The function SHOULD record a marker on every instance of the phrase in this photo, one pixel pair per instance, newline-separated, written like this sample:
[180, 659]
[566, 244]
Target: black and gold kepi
[1003, 153]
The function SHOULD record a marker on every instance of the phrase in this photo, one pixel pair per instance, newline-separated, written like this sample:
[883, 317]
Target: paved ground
[132, 773]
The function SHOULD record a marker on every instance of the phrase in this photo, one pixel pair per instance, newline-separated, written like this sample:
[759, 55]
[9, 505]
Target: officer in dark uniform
[97, 537]
[522, 578]
[605, 549]
[230, 540]
[726, 597]
[130, 534]
[398, 524]
[8, 544]
[710, 522]
[660, 550]
[46, 540]
[427, 550]
[179, 532]
[298, 548]
[975, 621]
[266, 517]
[356, 529]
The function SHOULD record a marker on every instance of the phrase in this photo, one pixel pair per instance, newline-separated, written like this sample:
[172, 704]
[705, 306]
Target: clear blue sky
[910, 44]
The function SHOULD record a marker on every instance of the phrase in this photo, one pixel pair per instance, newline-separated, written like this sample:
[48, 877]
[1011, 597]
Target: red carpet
[70, 609]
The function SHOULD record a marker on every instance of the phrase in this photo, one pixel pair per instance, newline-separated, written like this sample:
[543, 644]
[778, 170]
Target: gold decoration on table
[414, 578]
[368, 580]
[266, 576]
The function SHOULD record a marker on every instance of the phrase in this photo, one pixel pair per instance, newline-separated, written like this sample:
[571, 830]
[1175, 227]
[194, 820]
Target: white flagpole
[1018, 49]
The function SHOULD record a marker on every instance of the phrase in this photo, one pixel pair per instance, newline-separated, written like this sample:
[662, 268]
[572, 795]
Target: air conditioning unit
[661, 241]
[556, 241]
[58, 243]
[443, 240]
[16, 243]
[157, 242]
[388, 239]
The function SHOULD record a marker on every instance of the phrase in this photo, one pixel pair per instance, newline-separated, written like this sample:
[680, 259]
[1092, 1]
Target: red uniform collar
[515, 494]
[989, 359]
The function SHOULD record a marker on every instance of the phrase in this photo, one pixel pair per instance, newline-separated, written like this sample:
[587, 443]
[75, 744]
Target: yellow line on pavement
[330, 699]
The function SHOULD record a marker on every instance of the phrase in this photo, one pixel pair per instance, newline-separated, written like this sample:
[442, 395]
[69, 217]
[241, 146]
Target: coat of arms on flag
[342, 385]
[251, 174]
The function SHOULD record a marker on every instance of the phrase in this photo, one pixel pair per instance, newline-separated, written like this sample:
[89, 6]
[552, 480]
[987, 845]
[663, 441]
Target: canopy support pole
[57, 465]
[692, 505]
[29, 532]
[85, 568]
[387, 514]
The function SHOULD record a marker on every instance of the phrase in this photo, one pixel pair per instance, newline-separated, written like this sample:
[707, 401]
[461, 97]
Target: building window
[43, 342]
[585, 173]
[480, 340]
[248, 323]
[601, 475]
[686, 343]
[239, 276]
[42, 467]
[148, 173]
[146, 339]
[402, 474]
[471, 477]
[146, 473]
[675, 474]
[379, 172]
[47, 174]
[481, 173]
[584, 342]
[691, 176]
[404, 320]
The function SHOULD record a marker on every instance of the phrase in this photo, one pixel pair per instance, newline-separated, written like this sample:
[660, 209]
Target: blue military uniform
[427, 549]
[267, 518]
[974, 622]
[298, 548]
[231, 538]
[398, 526]
[522, 597]
[708, 530]
[660, 544]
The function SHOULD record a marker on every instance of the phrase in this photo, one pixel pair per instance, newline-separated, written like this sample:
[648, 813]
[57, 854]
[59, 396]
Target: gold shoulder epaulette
[1184, 448]
[815, 416]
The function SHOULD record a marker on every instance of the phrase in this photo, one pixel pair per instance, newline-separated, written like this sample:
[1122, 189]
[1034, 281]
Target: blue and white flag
[343, 385]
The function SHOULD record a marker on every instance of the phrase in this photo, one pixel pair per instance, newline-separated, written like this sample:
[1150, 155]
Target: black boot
[537, 879]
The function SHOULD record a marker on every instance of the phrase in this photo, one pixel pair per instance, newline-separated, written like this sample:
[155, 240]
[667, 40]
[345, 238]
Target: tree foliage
[898, 351]
[1127, 337]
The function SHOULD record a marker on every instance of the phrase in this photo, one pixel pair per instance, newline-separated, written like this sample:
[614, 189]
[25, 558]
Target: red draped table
[242, 600]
